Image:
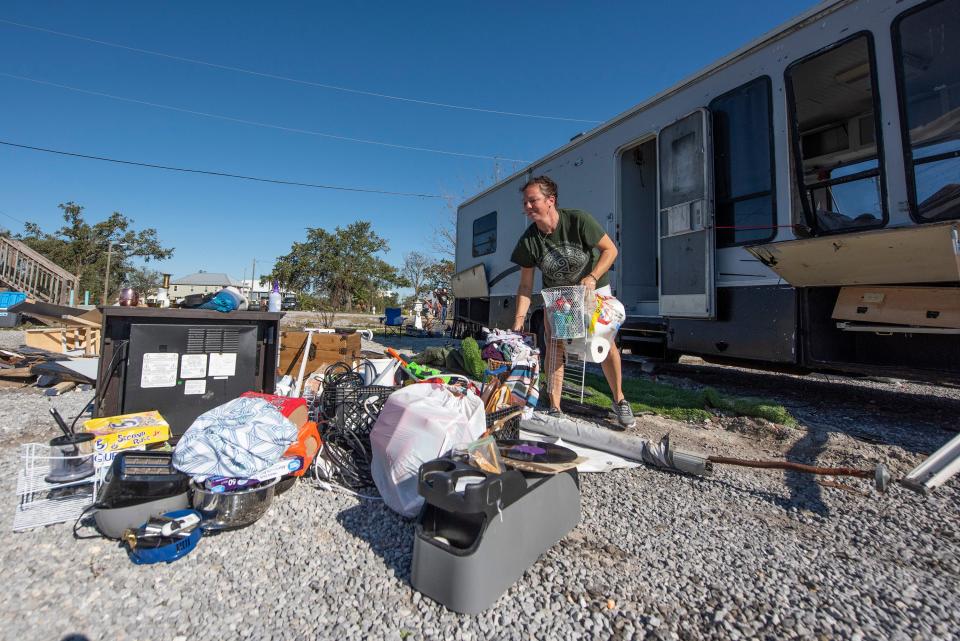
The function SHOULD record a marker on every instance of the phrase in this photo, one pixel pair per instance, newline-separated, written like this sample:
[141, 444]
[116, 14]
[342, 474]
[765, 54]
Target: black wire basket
[346, 412]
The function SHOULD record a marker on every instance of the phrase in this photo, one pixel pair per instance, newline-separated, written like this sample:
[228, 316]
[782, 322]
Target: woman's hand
[590, 283]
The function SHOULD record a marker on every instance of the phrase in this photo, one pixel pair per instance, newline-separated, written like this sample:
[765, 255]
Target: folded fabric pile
[505, 345]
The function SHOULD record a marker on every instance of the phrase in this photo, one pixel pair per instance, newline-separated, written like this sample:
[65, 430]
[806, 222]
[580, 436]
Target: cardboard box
[114, 433]
[326, 349]
[294, 409]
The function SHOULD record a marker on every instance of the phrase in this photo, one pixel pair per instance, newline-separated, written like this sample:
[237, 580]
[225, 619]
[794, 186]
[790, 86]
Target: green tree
[414, 271]
[144, 280]
[439, 274]
[81, 247]
[342, 267]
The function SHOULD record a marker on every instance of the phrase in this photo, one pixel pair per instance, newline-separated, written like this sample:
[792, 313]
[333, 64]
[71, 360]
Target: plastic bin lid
[9, 299]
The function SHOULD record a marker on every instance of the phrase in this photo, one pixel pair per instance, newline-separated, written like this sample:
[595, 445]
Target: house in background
[200, 283]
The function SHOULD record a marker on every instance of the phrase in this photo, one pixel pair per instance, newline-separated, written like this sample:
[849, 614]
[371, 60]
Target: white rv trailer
[795, 205]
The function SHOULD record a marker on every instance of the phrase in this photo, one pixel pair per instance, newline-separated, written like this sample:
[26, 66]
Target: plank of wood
[60, 388]
[63, 339]
[543, 468]
[77, 320]
[51, 340]
[17, 372]
[52, 321]
[327, 349]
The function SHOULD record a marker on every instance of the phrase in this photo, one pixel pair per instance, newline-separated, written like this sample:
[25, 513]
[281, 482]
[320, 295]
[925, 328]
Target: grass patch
[682, 404]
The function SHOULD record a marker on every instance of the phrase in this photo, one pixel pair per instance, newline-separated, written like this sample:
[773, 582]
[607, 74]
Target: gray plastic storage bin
[9, 319]
[464, 555]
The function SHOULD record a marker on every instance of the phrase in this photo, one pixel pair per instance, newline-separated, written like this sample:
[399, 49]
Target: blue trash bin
[7, 300]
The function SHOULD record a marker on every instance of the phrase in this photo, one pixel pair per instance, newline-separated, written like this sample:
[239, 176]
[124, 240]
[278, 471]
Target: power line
[12, 217]
[289, 79]
[255, 123]
[218, 173]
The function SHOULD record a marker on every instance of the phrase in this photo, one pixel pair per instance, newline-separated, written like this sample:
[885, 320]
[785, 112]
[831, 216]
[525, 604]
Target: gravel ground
[10, 338]
[743, 554]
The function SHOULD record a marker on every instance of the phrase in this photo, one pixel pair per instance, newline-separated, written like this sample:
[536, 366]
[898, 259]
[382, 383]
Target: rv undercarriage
[777, 328]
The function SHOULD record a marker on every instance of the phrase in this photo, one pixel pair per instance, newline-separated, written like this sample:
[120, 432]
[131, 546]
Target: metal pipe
[879, 474]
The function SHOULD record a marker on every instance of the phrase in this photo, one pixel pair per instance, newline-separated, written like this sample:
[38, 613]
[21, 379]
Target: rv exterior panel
[921, 254]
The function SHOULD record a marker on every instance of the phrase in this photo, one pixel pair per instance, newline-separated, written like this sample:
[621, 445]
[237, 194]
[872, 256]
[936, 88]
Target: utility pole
[253, 279]
[106, 279]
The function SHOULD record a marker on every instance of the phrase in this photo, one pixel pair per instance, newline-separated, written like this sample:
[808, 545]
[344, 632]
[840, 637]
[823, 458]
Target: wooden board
[63, 339]
[327, 349]
[913, 306]
[543, 468]
[17, 372]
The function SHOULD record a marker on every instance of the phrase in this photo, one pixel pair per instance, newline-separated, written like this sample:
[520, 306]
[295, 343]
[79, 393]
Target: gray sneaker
[622, 414]
[555, 412]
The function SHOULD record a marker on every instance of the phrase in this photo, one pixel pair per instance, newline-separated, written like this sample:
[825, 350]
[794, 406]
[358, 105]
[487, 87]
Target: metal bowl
[231, 510]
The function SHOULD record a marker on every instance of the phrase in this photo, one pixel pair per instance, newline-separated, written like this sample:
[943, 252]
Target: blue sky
[586, 61]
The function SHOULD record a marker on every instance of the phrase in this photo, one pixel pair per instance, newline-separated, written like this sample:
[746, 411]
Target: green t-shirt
[567, 255]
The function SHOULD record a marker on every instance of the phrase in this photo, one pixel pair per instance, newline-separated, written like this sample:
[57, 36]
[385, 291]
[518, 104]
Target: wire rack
[41, 503]
[564, 372]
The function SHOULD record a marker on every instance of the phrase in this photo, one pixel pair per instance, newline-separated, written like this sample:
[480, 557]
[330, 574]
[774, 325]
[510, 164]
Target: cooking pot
[231, 510]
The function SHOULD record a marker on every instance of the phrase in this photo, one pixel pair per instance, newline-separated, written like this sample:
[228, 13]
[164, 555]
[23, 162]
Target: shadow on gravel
[916, 422]
[804, 495]
[75, 637]
[803, 491]
[390, 536]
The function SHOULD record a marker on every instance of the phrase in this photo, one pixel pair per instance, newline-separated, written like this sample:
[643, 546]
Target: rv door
[685, 202]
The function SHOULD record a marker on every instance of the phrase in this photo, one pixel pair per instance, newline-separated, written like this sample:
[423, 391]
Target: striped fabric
[524, 384]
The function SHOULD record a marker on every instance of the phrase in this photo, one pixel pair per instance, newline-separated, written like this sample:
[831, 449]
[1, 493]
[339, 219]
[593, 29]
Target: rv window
[485, 234]
[927, 41]
[833, 110]
[743, 164]
[681, 177]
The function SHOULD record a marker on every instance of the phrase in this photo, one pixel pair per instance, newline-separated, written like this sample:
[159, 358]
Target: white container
[273, 302]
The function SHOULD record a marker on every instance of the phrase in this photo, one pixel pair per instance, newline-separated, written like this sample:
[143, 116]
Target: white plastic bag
[419, 423]
[603, 323]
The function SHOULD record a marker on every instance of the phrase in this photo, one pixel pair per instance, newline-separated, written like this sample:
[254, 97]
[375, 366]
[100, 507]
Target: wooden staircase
[24, 270]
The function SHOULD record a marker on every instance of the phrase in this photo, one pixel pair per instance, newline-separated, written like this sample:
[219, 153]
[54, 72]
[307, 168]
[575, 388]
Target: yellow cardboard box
[122, 432]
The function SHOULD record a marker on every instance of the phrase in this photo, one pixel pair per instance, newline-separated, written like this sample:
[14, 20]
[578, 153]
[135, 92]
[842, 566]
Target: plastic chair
[392, 321]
